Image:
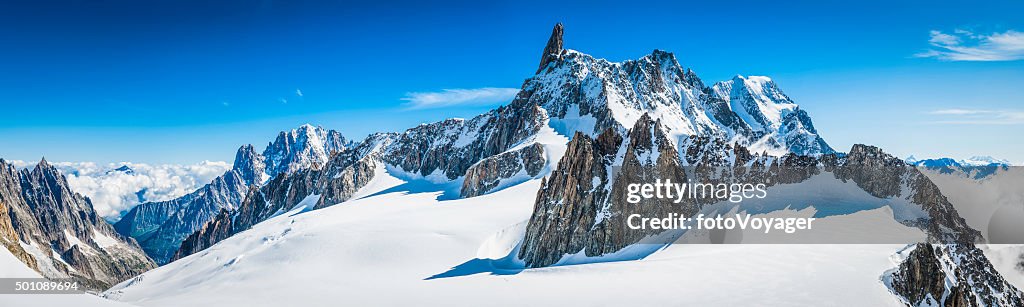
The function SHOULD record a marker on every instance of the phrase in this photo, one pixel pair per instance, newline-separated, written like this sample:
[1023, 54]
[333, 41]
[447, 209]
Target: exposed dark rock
[583, 207]
[883, 175]
[452, 146]
[216, 230]
[952, 276]
[569, 200]
[554, 47]
[487, 174]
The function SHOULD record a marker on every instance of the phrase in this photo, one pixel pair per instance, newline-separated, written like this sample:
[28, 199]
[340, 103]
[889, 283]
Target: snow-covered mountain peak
[594, 94]
[588, 94]
[984, 161]
[757, 100]
[304, 147]
[300, 148]
[250, 164]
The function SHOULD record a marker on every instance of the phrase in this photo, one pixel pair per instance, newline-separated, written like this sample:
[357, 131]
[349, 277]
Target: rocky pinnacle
[553, 48]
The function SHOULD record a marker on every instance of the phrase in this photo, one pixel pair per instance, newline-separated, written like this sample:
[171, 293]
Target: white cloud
[978, 117]
[298, 92]
[459, 97]
[965, 45]
[959, 112]
[113, 192]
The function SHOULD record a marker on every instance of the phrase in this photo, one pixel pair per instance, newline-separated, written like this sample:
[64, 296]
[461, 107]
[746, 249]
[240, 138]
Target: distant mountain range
[977, 167]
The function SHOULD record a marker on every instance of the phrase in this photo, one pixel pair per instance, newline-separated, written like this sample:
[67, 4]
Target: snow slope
[11, 267]
[403, 248]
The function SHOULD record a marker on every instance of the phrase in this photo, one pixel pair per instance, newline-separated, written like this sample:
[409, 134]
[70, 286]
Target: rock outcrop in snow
[581, 207]
[949, 275]
[488, 174]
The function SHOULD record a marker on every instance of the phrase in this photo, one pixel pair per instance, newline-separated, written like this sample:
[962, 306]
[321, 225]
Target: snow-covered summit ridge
[757, 100]
[304, 147]
[595, 94]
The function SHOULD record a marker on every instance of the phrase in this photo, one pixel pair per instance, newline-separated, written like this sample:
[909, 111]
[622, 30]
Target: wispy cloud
[978, 117]
[298, 92]
[458, 97]
[964, 45]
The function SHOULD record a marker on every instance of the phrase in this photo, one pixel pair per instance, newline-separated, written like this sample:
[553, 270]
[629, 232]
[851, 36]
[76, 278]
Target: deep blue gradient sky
[184, 81]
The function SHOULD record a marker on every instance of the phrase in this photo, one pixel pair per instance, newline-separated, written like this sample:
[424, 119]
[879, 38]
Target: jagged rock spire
[554, 47]
[249, 163]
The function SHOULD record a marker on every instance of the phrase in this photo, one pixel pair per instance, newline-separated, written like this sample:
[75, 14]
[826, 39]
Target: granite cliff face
[554, 47]
[61, 232]
[582, 205]
[10, 193]
[502, 169]
[949, 275]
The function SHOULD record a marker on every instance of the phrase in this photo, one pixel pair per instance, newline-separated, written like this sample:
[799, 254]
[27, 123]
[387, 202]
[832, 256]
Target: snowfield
[402, 248]
[11, 267]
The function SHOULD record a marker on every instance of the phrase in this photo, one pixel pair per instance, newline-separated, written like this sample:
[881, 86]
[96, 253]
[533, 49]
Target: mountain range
[574, 136]
[977, 167]
[160, 227]
[56, 232]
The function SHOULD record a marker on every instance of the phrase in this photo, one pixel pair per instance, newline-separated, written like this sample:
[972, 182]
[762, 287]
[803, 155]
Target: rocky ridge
[61, 232]
[949, 275]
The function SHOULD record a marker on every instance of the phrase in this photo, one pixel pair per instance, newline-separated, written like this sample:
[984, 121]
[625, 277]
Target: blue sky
[183, 81]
